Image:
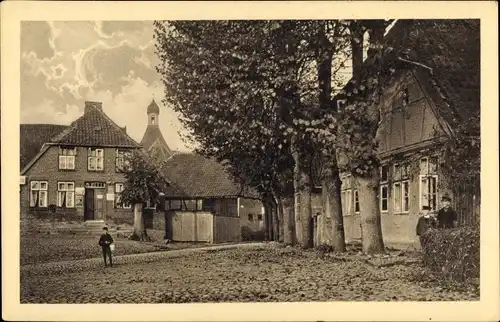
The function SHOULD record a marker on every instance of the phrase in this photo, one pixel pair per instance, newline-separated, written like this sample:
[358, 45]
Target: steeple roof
[153, 108]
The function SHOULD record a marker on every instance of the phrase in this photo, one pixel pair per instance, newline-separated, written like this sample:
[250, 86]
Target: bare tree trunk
[303, 211]
[275, 210]
[368, 185]
[281, 227]
[332, 207]
[139, 230]
[371, 228]
[332, 203]
[289, 221]
[265, 221]
[269, 220]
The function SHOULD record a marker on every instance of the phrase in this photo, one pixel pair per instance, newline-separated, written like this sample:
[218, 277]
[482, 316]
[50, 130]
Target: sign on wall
[22, 180]
[79, 201]
[79, 191]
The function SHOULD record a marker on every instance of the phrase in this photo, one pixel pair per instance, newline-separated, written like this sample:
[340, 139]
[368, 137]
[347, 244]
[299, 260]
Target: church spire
[153, 113]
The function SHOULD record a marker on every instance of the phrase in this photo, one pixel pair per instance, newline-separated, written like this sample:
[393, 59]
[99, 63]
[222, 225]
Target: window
[345, 197]
[384, 188]
[153, 119]
[150, 205]
[250, 217]
[67, 158]
[207, 204]
[356, 202]
[66, 194]
[428, 165]
[175, 205]
[401, 197]
[259, 217]
[384, 173]
[121, 160]
[95, 159]
[384, 196]
[428, 192]
[346, 194]
[424, 166]
[38, 195]
[401, 171]
[119, 187]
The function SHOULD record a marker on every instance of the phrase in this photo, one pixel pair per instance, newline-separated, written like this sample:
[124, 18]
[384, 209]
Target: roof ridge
[118, 127]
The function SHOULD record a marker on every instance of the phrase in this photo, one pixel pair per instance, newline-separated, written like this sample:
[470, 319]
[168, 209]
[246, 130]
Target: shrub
[249, 235]
[453, 253]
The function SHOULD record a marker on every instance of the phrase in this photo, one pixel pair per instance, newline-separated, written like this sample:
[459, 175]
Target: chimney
[124, 129]
[90, 105]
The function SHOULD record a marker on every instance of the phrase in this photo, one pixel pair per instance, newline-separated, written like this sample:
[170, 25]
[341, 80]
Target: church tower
[153, 141]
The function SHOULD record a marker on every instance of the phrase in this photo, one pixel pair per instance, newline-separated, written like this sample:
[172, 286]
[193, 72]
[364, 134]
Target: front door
[89, 211]
[99, 204]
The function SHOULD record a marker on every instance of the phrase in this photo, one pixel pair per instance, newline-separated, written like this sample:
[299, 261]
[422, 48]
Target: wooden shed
[205, 204]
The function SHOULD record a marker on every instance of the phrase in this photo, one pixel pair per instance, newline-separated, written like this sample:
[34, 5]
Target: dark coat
[446, 217]
[425, 224]
[105, 240]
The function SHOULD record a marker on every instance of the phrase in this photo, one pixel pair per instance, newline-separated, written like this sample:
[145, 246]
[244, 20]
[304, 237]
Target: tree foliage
[229, 91]
[143, 180]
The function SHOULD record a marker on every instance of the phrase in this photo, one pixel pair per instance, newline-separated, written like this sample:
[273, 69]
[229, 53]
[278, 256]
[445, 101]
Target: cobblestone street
[249, 273]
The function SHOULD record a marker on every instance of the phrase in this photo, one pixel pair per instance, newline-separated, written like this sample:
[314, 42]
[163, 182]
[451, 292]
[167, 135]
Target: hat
[446, 197]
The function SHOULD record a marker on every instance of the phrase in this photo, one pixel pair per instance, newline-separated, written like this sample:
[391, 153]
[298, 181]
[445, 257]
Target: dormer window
[67, 158]
[95, 159]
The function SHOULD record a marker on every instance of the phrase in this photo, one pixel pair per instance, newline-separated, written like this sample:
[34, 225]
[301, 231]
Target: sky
[63, 64]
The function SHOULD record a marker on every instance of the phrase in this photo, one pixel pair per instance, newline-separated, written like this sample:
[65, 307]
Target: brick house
[76, 168]
[436, 89]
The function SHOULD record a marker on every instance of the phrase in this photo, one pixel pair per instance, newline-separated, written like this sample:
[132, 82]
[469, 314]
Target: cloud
[35, 37]
[65, 63]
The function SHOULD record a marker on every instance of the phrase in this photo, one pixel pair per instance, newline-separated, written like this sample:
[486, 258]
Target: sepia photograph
[169, 161]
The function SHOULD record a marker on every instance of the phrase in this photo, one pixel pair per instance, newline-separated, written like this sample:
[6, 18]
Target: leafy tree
[245, 95]
[144, 183]
[359, 120]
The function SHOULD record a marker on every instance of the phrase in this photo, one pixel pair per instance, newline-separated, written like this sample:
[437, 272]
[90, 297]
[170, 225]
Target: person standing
[105, 242]
[447, 217]
[425, 223]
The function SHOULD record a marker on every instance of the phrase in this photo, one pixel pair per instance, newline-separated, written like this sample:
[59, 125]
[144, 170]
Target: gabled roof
[32, 138]
[451, 49]
[94, 128]
[152, 134]
[201, 177]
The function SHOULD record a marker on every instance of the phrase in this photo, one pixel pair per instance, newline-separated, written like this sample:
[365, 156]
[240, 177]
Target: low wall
[120, 217]
[40, 220]
[352, 227]
[190, 226]
[226, 229]
[400, 229]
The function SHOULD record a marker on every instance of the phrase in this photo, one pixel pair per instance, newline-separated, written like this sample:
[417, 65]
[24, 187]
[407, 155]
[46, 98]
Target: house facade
[78, 172]
[436, 89]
